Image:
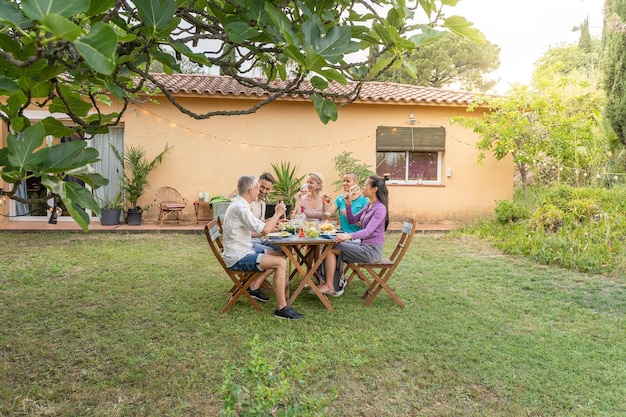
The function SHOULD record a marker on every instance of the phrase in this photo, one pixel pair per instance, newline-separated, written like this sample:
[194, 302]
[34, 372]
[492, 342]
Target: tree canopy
[614, 40]
[553, 128]
[448, 60]
[77, 57]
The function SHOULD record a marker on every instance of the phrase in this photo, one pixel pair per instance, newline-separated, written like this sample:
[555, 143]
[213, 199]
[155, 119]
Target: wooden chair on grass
[241, 279]
[170, 202]
[380, 272]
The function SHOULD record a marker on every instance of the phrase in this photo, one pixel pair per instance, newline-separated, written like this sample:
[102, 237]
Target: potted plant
[287, 184]
[111, 208]
[135, 179]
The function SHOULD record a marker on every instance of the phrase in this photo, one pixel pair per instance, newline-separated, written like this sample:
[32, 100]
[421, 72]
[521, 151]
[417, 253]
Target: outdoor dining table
[306, 255]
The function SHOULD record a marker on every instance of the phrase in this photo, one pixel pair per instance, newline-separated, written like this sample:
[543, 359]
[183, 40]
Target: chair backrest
[408, 231]
[213, 236]
[167, 194]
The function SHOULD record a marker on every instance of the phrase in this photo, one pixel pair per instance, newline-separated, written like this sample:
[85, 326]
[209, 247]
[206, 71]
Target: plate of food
[283, 233]
[327, 228]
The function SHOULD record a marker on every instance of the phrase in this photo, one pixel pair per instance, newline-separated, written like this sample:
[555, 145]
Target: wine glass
[354, 190]
[326, 199]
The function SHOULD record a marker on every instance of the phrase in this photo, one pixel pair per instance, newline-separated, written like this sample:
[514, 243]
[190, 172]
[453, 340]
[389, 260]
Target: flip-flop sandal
[331, 293]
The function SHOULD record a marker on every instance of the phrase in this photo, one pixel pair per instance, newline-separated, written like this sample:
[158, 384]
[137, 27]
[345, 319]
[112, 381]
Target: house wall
[210, 155]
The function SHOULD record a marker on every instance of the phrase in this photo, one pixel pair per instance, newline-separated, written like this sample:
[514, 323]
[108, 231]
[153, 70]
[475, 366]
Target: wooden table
[196, 208]
[307, 255]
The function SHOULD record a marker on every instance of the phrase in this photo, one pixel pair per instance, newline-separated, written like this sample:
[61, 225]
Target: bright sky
[525, 29]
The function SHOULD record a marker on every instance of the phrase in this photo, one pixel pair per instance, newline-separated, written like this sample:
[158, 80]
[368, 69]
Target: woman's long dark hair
[381, 193]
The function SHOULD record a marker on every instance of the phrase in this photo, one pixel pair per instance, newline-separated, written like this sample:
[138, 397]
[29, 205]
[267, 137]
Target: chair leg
[380, 282]
[242, 289]
[350, 272]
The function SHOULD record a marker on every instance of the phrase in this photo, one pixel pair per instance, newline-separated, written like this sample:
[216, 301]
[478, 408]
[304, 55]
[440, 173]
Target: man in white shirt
[239, 252]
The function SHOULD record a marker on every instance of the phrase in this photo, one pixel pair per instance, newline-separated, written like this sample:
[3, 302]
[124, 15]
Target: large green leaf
[21, 151]
[69, 155]
[428, 35]
[98, 48]
[11, 16]
[55, 128]
[4, 158]
[332, 74]
[157, 15]
[75, 101]
[88, 175]
[62, 27]
[76, 199]
[337, 43]
[460, 26]
[380, 64]
[100, 6]
[326, 109]
[283, 24]
[319, 83]
[240, 32]
[7, 85]
[8, 44]
[195, 57]
[38, 9]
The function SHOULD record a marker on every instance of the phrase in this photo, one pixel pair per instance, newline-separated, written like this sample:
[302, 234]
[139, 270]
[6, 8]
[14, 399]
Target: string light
[256, 145]
[537, 162]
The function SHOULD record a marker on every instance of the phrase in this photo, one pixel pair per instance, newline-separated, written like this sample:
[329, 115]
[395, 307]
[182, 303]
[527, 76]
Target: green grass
[129, 325]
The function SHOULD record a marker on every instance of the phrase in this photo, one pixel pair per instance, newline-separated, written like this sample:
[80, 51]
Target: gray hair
[245, 183]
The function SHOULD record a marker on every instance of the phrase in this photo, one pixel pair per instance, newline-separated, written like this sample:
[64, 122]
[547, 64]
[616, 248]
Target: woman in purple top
[366, 245]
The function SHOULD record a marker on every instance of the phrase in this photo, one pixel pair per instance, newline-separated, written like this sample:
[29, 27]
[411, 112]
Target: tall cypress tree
[584, 42]
[614, 39]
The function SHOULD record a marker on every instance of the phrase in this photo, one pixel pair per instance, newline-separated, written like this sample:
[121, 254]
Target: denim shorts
[250, 262]
[265, 244]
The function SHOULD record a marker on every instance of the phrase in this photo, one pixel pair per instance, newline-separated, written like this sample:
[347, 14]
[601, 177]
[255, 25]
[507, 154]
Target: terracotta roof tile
[373, 92]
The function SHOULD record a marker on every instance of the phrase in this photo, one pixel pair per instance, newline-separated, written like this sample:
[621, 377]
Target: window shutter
[427, 139]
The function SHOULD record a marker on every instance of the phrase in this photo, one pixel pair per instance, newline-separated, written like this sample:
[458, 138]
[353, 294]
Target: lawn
[129, 325]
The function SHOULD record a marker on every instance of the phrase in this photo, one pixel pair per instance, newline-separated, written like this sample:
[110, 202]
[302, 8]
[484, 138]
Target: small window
[410, 154]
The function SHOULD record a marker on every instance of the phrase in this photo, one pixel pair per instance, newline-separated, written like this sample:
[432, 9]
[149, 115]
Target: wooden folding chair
[380, 272]
[241, 279]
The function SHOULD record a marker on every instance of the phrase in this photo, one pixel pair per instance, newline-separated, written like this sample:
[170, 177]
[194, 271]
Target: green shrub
[560, 196]
[591, 225]
[548, 218]
[260, 388]
[584, 210]
[510, 212]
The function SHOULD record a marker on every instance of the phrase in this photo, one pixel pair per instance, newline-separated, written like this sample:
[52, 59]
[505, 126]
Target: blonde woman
[311, 198]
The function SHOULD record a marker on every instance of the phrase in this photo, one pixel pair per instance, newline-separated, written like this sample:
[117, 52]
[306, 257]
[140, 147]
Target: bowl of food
[312, 232]
[288, 227]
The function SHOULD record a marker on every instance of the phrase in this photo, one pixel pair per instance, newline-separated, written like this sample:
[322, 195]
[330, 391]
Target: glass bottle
[301, 219]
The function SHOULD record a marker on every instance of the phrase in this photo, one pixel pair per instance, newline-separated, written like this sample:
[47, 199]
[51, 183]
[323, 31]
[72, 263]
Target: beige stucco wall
[210, 155]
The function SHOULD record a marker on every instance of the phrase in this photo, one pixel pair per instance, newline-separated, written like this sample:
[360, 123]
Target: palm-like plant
[287, 182]
[136, 170]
